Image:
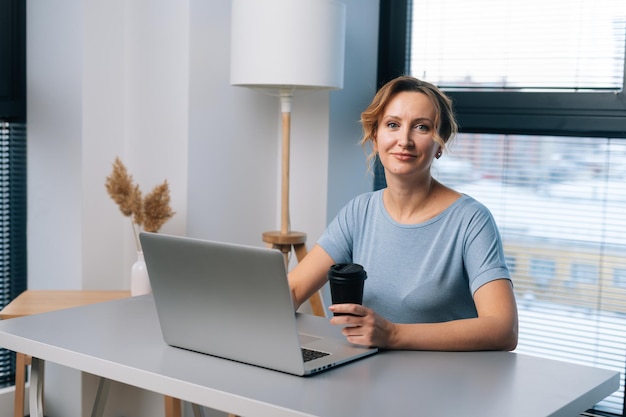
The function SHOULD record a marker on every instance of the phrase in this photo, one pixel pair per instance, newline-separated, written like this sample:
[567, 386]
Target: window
[540, 67]
[563, 221]
[530, 45]
[619, 277]
[538, 89]
[12, 227]
[12, 163]
[542, 272]
[583, 274]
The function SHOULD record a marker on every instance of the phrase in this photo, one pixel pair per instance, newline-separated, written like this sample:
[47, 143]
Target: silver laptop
[233, 301]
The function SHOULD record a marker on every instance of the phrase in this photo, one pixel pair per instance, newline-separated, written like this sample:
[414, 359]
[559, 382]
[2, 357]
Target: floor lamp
[280, 46]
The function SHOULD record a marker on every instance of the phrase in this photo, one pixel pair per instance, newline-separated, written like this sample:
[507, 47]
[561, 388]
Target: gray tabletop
[121, 340]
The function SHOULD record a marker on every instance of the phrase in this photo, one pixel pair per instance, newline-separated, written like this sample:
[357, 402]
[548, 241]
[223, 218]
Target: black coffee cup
[346, 283]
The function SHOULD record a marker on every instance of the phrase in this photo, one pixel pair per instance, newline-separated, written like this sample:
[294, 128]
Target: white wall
[148, 80]
[347, 168]
[54, 79]
[105, 78]
[234, 137]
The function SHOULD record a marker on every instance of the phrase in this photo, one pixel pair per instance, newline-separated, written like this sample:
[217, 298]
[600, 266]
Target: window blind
[521, 45]
[12, 227]
[559, 204]
[518, 71]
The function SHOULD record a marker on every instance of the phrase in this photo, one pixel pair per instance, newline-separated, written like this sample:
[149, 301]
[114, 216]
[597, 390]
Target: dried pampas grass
[149, 212]
[156, 208]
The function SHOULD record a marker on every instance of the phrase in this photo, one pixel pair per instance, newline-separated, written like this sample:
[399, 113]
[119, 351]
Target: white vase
[139, 281]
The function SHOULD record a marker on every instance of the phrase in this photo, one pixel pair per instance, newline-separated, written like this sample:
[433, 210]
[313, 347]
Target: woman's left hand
[362, 326]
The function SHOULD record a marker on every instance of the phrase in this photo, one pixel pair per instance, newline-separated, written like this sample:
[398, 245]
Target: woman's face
[404, 137]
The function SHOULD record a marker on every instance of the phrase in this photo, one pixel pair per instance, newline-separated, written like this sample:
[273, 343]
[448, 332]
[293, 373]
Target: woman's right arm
[309, 275]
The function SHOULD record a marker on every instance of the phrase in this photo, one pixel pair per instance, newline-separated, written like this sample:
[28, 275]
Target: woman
[437, 278]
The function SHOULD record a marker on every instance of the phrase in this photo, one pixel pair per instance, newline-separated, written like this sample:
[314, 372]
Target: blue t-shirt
[418, 273]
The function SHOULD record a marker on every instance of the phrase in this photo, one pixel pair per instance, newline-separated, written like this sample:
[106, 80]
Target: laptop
[233, 301]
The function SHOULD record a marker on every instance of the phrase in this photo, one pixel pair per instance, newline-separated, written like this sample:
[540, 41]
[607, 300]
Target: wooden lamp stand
[285, 240]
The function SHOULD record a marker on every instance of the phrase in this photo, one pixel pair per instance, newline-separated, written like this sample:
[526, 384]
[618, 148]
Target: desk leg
[21, 362]
[197, 410]
[36, 387]
[172, 406]
[101, 397]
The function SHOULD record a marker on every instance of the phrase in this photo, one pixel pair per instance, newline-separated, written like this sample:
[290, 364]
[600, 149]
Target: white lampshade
[287, 43]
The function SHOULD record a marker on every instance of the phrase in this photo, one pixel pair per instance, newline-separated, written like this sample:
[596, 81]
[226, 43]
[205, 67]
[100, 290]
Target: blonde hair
[445, 124]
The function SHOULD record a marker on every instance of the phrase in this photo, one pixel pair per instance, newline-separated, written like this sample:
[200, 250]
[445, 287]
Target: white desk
[42, 301]
[121, 340]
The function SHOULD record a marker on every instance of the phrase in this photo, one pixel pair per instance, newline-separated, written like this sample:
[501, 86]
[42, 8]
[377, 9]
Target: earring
[438, 155]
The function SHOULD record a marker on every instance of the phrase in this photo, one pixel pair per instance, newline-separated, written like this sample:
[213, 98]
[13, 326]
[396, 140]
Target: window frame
[591, 114]
[596, 114]
[13, 69]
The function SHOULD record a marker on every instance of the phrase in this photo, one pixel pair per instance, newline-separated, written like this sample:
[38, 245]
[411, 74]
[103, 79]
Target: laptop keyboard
[309, 354]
